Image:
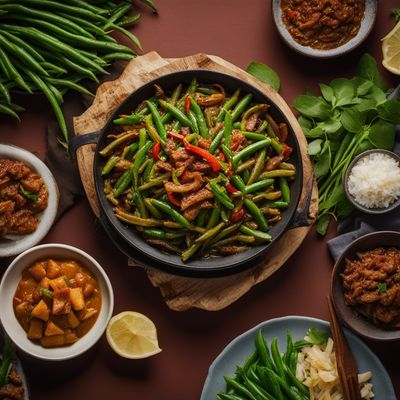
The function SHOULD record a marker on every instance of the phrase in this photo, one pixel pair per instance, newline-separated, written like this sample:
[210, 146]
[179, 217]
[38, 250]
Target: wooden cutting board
[181, 293]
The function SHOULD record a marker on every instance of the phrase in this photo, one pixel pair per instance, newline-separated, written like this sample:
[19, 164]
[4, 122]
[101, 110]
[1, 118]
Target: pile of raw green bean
[267, 374]
[52, 46]
[198, 171]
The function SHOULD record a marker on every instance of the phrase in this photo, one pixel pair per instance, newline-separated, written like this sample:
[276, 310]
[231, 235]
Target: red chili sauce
[322, 24]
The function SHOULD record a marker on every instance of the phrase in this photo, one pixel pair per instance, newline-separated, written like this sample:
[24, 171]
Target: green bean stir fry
[198, 171]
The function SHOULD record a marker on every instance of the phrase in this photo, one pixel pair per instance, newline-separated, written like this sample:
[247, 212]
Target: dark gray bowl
[351, 198]
[367, 24]
[348, 315]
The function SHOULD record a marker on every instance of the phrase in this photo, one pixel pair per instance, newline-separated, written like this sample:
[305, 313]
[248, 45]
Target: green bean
[78, 68]
[276, 357]
[255, 187]
[54, 69]
[277, 173]
[262, 350]
[134, 220]
[198, 113]
[210, 233]
[278, 204]
[129, 21]
[238, 182]
[154, 182]
[115, 143]
[224, 216]
[5, 93]
[257, 214]
[129, 120]
[52, 43]
[193, 120]
[88, 27]
[141, 154]
[227, 130]
[230, 396]
[221, 195]
[262, 127]
[276, 146]
[8, 354]
[283, 183]
[250, 150]
[48, 5]
[131, 151]
[290, 395]
[157, 121]
[153, 210]
[6, 109]
[120, 11]
[11, 72]
[137, 199]
[295, 382]
[148, 170]
[225, 232]
[254, 388]
[88, 6]
[252, 110]
[167, 209]
[152, 130]
[234, 238]
[227, 152]
[273, 385]
[122, 184]
[245, 165]
[69, 84]
[257, 234]
[129, 35]
[150, 4]
[190, 251]
[118, 56]
[216, 141]
[240, 388]
[253, 357]
[228, 105]
[253, 136]
[178, 114]
[214, 217]
[241, 106]
[258, 167]
[23, 44]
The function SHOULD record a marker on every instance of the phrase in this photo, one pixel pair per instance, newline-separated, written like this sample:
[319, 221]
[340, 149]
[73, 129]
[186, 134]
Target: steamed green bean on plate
[198, 171]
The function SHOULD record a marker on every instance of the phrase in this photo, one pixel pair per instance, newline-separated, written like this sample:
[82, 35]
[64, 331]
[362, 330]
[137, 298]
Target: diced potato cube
[53, 269]
[41, 311]
[88, 290]
[80, 279]
[45, 283]
[77, 300]
[58, 283]
[70, 337]
[53, 341]
[37, 271]
[52, 329]
[61, 301]
[73, 320]
[69, 268]
[21, 309]
[35, 329]
[87, 313]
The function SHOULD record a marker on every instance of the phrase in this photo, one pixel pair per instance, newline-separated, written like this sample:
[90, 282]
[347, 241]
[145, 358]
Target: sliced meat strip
[193, 198]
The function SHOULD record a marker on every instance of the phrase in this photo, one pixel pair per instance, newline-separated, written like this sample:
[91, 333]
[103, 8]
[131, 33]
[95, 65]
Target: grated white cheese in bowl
[374, 180]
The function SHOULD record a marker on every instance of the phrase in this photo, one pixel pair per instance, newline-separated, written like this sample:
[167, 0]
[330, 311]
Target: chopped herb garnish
[396, 13]
[29, 195]
[382, 287]
[46, 292]
[67, 281]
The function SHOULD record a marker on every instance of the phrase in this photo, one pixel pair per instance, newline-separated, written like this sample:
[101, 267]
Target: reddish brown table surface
[239, 31]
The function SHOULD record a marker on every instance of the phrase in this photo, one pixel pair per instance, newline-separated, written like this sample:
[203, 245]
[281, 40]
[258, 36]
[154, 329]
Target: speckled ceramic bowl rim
[352, 200]
[10, 248]
[367, 24]
[9, 284]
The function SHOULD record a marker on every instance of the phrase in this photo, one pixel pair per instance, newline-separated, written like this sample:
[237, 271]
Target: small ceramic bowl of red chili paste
[318, 28]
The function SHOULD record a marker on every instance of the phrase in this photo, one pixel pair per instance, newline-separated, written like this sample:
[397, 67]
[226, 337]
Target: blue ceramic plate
[240, 348]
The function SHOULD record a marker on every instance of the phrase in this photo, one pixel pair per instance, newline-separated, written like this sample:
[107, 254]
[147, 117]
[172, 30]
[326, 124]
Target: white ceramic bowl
[9, 284]
[367, 23]
[16, 244]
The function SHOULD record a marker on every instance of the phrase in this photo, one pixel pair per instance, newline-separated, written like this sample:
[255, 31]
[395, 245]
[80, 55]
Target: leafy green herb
[350, 116]
[29, 195]
[265, 74]
[382, 287]
[67, 281]
[7, 356]
[396, 13]
[317, 337]
[46, 292]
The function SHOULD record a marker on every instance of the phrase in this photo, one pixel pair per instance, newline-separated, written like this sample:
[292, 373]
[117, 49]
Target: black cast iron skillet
[129, 241]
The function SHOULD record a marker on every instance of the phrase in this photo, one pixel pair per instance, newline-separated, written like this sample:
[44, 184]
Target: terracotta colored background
[239, 31]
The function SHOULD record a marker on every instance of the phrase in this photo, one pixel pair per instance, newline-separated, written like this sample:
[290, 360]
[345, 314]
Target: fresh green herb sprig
[5, 364]
[396, 13]
[349, 117]
[29, 195]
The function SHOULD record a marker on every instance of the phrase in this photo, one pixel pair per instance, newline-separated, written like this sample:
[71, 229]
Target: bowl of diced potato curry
[56, 301]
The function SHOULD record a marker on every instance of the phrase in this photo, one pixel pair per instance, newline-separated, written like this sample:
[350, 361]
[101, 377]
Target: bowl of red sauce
[324, 29]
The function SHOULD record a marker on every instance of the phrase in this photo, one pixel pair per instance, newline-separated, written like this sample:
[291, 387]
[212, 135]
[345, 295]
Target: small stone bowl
[367, 24]
[351, 198]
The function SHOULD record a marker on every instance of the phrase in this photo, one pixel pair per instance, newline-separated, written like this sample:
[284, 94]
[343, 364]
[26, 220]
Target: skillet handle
[300, 217]
[82, 140]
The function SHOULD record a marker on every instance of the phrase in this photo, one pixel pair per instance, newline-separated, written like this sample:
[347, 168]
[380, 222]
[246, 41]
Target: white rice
[317, 369]
[374, 181]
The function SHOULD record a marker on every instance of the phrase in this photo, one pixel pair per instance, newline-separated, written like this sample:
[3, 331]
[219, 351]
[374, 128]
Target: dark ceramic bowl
[367, 24]
[129, 241]
[348, 315]
[351, 198]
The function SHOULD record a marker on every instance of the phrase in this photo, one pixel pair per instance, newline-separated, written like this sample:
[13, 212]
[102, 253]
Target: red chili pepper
[173, 200]
[156, 151]
[176, 136]
[230, 188]
[237, 215]
[187, 104]
[213, 161]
